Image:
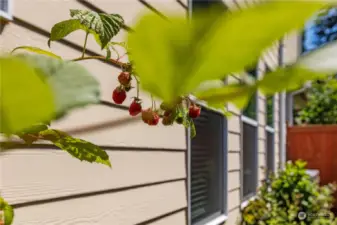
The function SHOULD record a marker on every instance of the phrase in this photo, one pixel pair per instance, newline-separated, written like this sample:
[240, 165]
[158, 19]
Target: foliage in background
[180, 61]
[321, 107]
[284, 195]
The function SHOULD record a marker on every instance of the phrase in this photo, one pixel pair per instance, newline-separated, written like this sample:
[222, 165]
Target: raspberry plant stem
[113, 61]
[85, 44]
[137, 85]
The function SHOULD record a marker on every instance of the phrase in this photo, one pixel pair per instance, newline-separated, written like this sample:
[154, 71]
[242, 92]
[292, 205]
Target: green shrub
[321, 107]
[283, 196]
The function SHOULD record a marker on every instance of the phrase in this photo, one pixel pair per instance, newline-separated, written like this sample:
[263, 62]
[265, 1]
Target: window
[249, 145]
[6, 9]
[270, 151]
[208, 168]
[250, 157]
[270, 143]
[250, 110]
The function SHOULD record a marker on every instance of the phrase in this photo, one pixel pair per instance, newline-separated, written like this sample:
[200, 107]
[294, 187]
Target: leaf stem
[85, 44]
[152, 103]
[137, 85]
[113, 61]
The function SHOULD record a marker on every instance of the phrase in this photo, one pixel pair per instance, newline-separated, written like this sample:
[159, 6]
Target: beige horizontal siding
[176, 219]
[233, 217]
[234, 142]
[124, 208]
[233, 199]
[168, 6]
[262, 132]
[34, 174]
[234, 161]
[142, 185]
[233, 180]
[234, 124]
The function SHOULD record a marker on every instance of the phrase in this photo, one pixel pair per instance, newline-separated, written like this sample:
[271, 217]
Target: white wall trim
[249, 121]
[217, 220]
[270, 129]
[245, 203]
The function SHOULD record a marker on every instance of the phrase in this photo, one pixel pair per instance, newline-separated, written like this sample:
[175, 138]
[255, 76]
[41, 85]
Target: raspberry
[118, 95]
[167, 121]
[155, 119]
[124, 78]
[135, 108]
[150, 117]
[194, 111]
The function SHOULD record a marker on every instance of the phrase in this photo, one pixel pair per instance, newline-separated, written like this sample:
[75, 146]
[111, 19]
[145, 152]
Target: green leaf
[108, 54]
[78, 148]
[8, 212]
[62, 29]
[73, 86]
[193, 130]
[37, 50]
[239, 37]
[106, 26]
[185, 59]
[25, 98]
[238, 94]
[286, 79]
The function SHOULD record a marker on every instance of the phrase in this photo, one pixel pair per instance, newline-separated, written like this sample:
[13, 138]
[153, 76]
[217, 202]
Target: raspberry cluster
[151, 116]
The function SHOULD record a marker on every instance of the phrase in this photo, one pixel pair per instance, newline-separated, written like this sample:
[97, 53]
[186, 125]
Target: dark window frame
[270, 133]
[250, 122]
[222, 174]
[6, 12]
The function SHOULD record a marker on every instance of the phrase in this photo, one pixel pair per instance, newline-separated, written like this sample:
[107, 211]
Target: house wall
[147, 182]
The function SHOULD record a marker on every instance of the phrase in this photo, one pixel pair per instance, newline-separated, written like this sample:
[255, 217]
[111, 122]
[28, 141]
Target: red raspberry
[194, 111]
[150, 117]
[155, 119]
[147, 115]
[118, 95]
[124, 78]
[135, 108]
[167, 121]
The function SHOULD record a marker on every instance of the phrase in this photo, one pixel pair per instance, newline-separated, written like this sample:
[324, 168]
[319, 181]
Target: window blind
[206, 166]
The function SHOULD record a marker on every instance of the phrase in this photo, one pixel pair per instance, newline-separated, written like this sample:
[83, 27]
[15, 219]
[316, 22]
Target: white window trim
[218, 220]
[246, 202]
[270, 129]
[8, 15]
[249, 121]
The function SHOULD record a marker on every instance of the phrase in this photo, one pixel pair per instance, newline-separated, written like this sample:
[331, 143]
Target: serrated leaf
[8, 212]
[73, 86]
[185, 60]
[37, 50]
[237, 94]
[78, 148]
[106, 26]
[25, 98]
